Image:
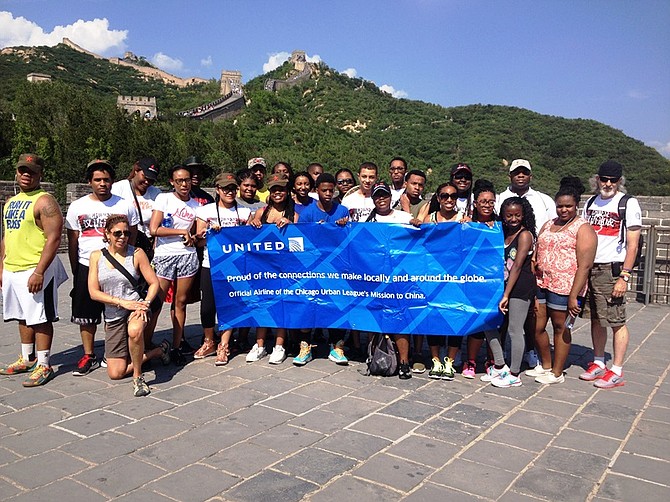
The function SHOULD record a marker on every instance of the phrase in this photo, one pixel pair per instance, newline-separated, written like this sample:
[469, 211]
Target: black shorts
[84, 310]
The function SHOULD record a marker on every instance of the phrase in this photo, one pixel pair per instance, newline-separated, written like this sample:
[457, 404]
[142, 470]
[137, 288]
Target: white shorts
[18, 304]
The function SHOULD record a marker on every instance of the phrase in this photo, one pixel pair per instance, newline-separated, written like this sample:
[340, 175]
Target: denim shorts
[553, 300]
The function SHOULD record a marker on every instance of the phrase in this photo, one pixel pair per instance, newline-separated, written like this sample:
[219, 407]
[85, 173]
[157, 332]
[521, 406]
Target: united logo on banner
[444, 279]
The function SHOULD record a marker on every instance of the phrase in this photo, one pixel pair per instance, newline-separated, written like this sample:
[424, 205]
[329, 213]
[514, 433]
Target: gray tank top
[114, 283]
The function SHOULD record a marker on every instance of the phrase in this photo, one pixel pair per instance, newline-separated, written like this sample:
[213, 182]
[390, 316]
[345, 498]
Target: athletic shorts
[19, 304]
[84, 310]
[176, 267]
[553, 300]
[116, 338]
[601, 307]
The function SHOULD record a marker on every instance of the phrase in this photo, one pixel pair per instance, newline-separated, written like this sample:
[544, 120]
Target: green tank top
[24, 240]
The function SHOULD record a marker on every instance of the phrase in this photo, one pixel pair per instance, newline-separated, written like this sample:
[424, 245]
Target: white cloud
[637, 94]
[94, 35]
[393, 92]
[313, 59]
[167, 63]
[350, 72]
[663, 148]
[206, 62]
[275, 60]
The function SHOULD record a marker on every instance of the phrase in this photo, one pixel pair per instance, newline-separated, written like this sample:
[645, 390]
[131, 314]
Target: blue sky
[607, 60]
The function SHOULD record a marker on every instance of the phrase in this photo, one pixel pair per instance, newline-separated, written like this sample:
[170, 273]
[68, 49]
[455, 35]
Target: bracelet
[38, 274]
[625, 273]
[628, 270]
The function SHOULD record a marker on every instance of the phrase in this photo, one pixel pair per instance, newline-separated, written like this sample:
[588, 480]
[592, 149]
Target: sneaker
[222, 354]
[86, 364]
[177, 357]
[256, 353]
[140, 387]
[609, 380]
[185, 347]
[549, 378]
[468, 369]
[448, 372]
[531, 358]
[304, 356]
[593, 372]
[39, 376]
[207, 349]
[337, 353]
[165, 356]
[492, 372]
[404, 372]
[277, 356]
[506, 379]
[537, 371]
[417, 364]
[437, 371]
[103, 362]
[19, 366]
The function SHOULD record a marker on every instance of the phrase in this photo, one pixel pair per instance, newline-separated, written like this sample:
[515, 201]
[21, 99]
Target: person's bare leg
[562, 340]
[542, 337]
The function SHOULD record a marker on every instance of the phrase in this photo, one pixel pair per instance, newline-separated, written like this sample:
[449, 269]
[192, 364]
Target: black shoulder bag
[140, 286]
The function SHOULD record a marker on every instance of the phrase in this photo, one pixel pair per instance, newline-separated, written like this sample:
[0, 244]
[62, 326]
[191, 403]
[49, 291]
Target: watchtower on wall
[231, 81]
[143, 105]
[299, 60]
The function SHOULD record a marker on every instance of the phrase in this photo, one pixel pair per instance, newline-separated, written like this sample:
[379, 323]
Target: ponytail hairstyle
[482, 186]
[528, 220]
[572, 186]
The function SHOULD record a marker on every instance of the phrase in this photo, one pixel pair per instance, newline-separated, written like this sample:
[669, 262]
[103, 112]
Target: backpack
[382, 356]
[623, 201]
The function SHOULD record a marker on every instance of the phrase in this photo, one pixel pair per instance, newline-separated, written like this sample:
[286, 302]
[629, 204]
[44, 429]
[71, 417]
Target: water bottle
[167, 221]
[570, 320]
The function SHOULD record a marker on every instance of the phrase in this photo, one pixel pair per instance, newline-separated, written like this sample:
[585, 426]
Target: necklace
[566, 224]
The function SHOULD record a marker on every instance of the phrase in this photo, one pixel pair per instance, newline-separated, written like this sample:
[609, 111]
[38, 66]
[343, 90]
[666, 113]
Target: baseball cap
[461, 167]
[150, 167]
[611, 169]
[380, 188]
[257, 161]
[517, 163]
[225, 179]
[277, 180]
[99, 162]
[33, 162]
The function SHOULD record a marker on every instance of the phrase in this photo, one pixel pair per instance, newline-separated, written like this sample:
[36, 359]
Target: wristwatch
[626, 278]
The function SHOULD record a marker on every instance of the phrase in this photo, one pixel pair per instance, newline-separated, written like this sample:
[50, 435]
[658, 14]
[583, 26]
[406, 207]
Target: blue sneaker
[305, 355]
[337, 353]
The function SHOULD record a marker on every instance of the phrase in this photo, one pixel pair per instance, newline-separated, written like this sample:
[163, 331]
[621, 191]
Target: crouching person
[126, 314]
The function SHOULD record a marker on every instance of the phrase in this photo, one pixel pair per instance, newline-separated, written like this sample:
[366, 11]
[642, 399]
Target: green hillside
[330, 118]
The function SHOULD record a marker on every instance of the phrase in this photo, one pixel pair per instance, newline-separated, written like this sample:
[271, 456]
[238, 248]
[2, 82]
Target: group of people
[133, 248]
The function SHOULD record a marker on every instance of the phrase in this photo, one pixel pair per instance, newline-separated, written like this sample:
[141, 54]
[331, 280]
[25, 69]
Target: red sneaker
[593, 372]
[609, 380]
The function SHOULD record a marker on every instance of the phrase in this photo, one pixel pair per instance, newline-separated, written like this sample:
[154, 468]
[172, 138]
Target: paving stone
[7, 456]
[183, 394]
[625, 488]
[492, 402]
[352, 407]
[536, 421]
[218, 383]
[194, 482]
[652, 428]
[520, 437]
[243, 459]
[615, 411]
[352, 379]
[474, 478]
[514, 496]
[93, 422]
[8, 490]
[497, 455]
[141, 408]
[323, 391]
[286, 439]
[351, 488]
[561, 393]
[36, 441]
[197, 412]
[238, 399]
[642, 444]
[269, 386]
[62, 489]
[322, 421]
[20, 398]
[472, 415]
[395, 472]
[143, 495]
[437, 393]
[643, 468]
[102, 447]
[658, 414]
[270, 485]
[316, 465]
[601, 425]
[551, 407]
[379, 393]
[423, 450]
[450, 431]
[618, 396]
[353, 444]
[293, 403]
[587, 442]
[38, 416]
[259, 418]
[114, 478]
[301, 375]
[152, 429]
[411, 410]
[431, 491]
[552, 485]
[42, 469]
[577, 463]
[384, 426]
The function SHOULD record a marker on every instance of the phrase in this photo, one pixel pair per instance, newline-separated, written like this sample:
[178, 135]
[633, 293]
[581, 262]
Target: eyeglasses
[182, 181]
[608, 179]
[447, 195]
[486, 202]
[462, 177]
[228, 189]
[346, 181]
[119, 233]
[395, 168]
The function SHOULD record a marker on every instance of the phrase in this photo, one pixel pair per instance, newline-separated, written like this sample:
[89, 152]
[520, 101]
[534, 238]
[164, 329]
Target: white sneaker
[256, 353]
[531, 358]
[492, 372]
[537, 371]
[550, 378]
[278, 355]
[506, 379]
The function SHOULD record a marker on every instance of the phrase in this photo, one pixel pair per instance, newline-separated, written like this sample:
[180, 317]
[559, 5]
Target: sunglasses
[346, 181]
[447, 195]
[486, 202]
[610, 179]
[182, 181]
[462, 177]
[119, 233]
[227, 189]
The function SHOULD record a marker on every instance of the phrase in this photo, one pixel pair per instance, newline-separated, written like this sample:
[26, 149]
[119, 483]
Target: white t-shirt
[358, 205]
[396, 216]
[463, 205]
[543, 206]
[88, 216]
[396, 193]
[183, 216]
[226, 217]
[603, 215]
[122, 189]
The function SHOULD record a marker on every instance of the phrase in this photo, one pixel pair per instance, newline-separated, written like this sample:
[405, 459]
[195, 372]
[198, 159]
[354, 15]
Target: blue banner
[444, 279]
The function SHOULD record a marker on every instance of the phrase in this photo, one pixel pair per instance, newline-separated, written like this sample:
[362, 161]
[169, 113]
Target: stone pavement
[324, 432]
